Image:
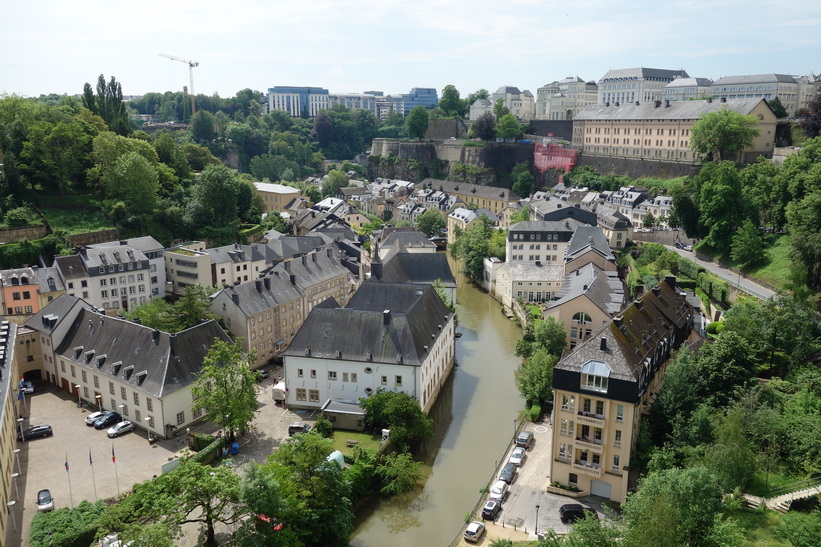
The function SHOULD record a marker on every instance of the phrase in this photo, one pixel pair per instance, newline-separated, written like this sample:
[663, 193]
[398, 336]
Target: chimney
[671, 281]
[603, 346]
[618, 321]
[658, 104]
[258, 283]
[724, 99]
[304, 260]
[656, 290]
[287, 265]
[386, 317]
[313, 257]
[155, 335]
[235, 298]
[293, 279]
[329, 251]
[639, 289]
[267, 283]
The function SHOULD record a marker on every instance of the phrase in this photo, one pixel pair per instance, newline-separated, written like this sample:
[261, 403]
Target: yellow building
[661, 130]
[277, 196]
[603, 387]
[9, 386]
[492, 198]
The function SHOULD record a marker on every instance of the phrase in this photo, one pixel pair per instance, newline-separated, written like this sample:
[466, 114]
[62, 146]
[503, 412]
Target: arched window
[582, 318]
[595, 375]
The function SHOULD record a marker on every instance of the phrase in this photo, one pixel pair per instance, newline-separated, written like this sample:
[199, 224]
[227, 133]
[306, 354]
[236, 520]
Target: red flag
[113, 458]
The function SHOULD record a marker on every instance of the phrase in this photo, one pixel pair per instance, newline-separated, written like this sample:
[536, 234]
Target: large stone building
[564, 99]
[277, 196]
[662, 130]
[405, 341]
[520, 103]
[602, 388]
[630, 85]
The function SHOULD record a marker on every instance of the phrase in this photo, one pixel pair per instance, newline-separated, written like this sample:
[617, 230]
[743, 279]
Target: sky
[350, 46]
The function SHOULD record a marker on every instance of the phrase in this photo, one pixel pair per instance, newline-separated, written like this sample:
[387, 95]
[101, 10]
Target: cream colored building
[687, 89]
[629, 85]
[662, 130]
[277, 196]
[564, 99]
[520, 103]
[754, 86]
[604, 386]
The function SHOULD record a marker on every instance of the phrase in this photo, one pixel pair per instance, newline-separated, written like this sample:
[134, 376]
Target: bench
[351, 442]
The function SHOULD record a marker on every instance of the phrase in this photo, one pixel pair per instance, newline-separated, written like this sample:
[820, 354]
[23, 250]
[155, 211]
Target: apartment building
[661, 131]
[520, 103]
[276, 197]
[265, 313]
[153, 251]
[492, 198]
[564, 99]
[405, 342]
[687, 89]
[10, 409]
[754, 86]
[630, 85]
[604, 387]
[192, 264]
[297, 101]
[112, 277]
[462, 219]
[20, 292]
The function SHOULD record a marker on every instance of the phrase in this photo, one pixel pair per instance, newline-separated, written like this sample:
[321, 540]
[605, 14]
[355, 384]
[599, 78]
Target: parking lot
[42, 461]
[517, 520]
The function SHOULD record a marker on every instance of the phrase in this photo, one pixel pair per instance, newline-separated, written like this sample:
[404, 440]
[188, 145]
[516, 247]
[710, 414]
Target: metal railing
[795, 486]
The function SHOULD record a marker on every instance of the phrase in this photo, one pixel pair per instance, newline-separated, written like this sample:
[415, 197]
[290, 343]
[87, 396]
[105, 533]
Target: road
[733, 278]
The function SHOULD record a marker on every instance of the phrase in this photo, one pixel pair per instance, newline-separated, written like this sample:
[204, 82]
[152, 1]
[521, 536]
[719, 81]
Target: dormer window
[127, 371]
[595, 375]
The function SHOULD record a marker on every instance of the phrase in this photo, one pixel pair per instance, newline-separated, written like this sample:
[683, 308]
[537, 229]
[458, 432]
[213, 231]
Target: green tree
[678, 397]
[399, 412]
[508, 128]
[778, 108]
[499, 109]
[198, 156]
[523, 184]
[472, 246]
[484, 127]
[226, 388]
[416, 122]
[767, 192]
[649, 220]
[56, 155]
[724, 366]
[430, 222]
[134, 182]
[107, 148]
[473, 97]
[108, 104]
[677, 507]
[747, 248]
[810, 118]
[550, 335]
[721, 205]
[450, 101]
[439, 287]
[535, 378]
[723, 134]
[333, 182]
[260, 493]
[203, 126]
[399, 473]
[522, 215]
[275, 221]
[730, 458]
[214, 198]
[804, 220]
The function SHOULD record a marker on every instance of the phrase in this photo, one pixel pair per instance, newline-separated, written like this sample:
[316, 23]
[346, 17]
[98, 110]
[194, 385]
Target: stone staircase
[785, 495]
[783, 502]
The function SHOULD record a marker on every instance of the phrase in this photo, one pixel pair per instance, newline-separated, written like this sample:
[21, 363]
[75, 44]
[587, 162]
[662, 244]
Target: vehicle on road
[688, 248]
[491, 510]
[508, 473]
[524, 439]
[498, 491]
[28, 388]
[679, 245]
[263, 374]
[517, 457]
[474, 532]
[106, 420]
[571, 512]
[35, 432]
[44, 501]
[94, 416]
[298, 427]
[118, 429]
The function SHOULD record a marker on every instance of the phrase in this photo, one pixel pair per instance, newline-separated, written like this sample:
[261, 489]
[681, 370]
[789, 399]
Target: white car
[44, 501]
[498, 491]
[118, 429]
[474, 531]
[517, 457]
[93, 417]
[28, 388]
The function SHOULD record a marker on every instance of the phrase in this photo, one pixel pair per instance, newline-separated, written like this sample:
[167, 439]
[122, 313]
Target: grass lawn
[77, 221]
[758, 527]
[366, 440]
[762, 484]
[777, 268]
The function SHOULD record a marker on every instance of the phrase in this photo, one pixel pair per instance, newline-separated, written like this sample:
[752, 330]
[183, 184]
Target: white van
[278, 392]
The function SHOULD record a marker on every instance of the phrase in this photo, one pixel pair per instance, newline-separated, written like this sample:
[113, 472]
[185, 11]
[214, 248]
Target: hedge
[689, 268]
[67, 527]
[717, 289]
[534, 412]
[207, 454]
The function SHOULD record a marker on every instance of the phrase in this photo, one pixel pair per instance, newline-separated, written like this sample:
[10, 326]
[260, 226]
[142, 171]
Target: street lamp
[148, 421]
[514, 427]
[22, 437]
[99, 402]
[11, 510]
[79, 401]
[17, 455]
[16, 488]
[537, 520]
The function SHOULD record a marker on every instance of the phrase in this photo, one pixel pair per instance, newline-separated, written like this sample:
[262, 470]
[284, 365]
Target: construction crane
[191, 65]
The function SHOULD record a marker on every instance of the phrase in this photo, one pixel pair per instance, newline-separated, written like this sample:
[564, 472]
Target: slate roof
[588, 237]
[71, 267]
[754, 79]
[464, 188]
[43, 275]
[393, 322]
[419, 268]
[678, 110]
[409, 239]
[636, 343]
[62, 307]
[309, 270]
[507, 89]
[519, 271]
[17, 274]
[260, 295]
[626, 74]
[144, 243]
[689, 82]
[235, 253]
[602, 288]
[568, 225]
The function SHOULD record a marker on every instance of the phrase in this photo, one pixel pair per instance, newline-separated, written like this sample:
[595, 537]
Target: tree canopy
[399, 412]
[723, 134]
[417, 122]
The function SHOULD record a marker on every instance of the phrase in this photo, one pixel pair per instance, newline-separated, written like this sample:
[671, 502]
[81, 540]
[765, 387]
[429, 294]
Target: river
[474, 420]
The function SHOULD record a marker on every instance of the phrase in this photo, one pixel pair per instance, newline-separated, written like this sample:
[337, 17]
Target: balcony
[587, 444]
[587, 468]
[590, 419]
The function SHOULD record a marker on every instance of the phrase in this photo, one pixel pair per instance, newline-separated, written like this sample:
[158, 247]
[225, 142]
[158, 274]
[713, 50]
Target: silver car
[118, 429]
[498, 491]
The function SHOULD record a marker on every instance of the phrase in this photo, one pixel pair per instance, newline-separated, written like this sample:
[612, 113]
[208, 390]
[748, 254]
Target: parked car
[118, 429]
[508, 473]
[44, 501]
[571, 512]
[263, 375]
[106, 420]
[491, 509]
[525, 439]
[28, 387]
[688, 248]
[298, 427]
[679, 245]
[94, 416]
[474, 532]
[35, 433]
[498, 491]
[517, 457]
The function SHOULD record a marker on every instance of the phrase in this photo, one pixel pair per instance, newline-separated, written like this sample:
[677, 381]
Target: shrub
[19, 216]
[715, 327]
[534, 412]
[689, 268]
[201, 441]
[67, 527]
[209, 452]
[324, 426]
